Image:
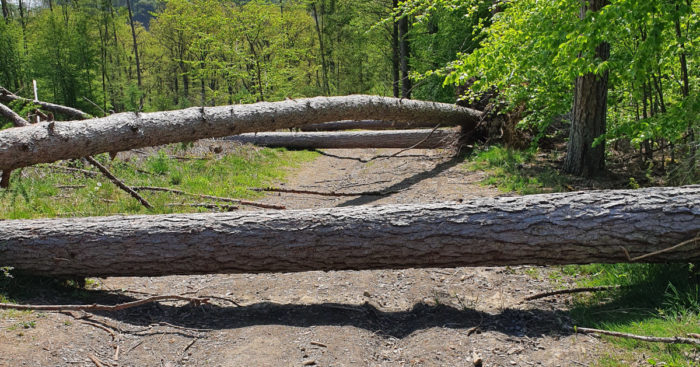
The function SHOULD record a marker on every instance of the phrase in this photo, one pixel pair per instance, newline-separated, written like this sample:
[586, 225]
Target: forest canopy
[106, 55]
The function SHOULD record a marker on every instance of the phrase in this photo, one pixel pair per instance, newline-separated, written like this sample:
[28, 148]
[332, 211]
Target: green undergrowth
[42, 191]
[653, 299]
[661, 300]
[520, 171]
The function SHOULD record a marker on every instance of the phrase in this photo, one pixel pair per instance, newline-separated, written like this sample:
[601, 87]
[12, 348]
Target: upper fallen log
[567, 228]
[419, 139]
[368, 125]
[49, 142]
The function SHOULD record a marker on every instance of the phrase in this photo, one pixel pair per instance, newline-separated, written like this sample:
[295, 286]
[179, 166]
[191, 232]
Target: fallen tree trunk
[368, 125]
[49, 142]
[422, 139]
[567, 228]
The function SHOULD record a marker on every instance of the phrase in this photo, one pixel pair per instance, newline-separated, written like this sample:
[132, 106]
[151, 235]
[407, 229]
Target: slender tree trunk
[589, 115]
[5, 11]
[118, 132]
[395, 79]
[568, 228]
[136, 51]
[404, 53]
[685, 87]
[23, 22]
[322, 49]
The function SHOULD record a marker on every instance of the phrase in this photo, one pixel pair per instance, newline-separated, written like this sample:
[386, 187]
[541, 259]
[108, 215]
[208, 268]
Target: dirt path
[414, 317]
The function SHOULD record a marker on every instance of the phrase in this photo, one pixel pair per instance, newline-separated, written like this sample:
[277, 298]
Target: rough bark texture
[7, 96]
[422, 139]
[589, 114]
[367, 125]
[566, 228]
[44, 142]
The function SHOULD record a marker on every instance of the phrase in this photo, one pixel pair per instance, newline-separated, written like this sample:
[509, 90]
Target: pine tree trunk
[49, 142]
[567, 228]
[404, 53]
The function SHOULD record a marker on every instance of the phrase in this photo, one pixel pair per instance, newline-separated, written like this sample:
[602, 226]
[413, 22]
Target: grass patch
[39, 191]
[656, 300]
[517, 171]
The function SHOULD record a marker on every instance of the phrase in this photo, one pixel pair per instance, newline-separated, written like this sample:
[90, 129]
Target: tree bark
[404, 53]
[136, 52]
[43, 143]
[589, 114]
[367, 125]
[5, 11]
[419, 139]
[16, 119]
[7, 96]
[395, 53]
[566, 228]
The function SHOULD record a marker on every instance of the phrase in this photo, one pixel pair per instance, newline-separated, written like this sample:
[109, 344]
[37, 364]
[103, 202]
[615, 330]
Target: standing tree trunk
[404, 53]
[136, 51]
[5, 11]
[395, 53]
[322, 49]
[589, 114]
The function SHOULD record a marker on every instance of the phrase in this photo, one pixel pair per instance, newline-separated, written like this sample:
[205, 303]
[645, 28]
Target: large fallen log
[567, 228]
[420, 139]
[49, 142]
[367, 125]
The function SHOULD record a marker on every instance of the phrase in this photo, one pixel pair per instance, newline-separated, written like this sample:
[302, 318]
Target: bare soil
[414, 317]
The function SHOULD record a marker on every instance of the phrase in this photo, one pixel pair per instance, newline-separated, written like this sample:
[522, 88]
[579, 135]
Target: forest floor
[412, 317]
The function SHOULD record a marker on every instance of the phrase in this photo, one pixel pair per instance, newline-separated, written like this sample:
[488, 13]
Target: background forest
[119, 55]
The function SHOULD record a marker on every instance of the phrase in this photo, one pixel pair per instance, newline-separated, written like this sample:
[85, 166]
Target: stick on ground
[655, 339]
[323, 193]
[230, 200]
[567, 291]
[96, 307]
[117, 182]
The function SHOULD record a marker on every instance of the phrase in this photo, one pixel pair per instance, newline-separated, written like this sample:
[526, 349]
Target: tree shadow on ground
[221, 315]
[457, 159]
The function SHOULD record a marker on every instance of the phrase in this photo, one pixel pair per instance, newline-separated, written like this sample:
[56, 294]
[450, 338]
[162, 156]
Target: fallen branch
[323, 193]
[8, 96]
[96, 307]
[16, 119]
[684, 243]
[568, 291]
[118, 182]
[230, 200]
[655, 339]
[95, 360]
[227, 208]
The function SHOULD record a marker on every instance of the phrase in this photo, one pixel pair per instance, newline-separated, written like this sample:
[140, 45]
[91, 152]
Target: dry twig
[567, 291]
[225, 207]
[96, 307]
[96, 360]
[118, 182]
[324, 193]
[230, 200]
[687, 242]
[655, 339]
